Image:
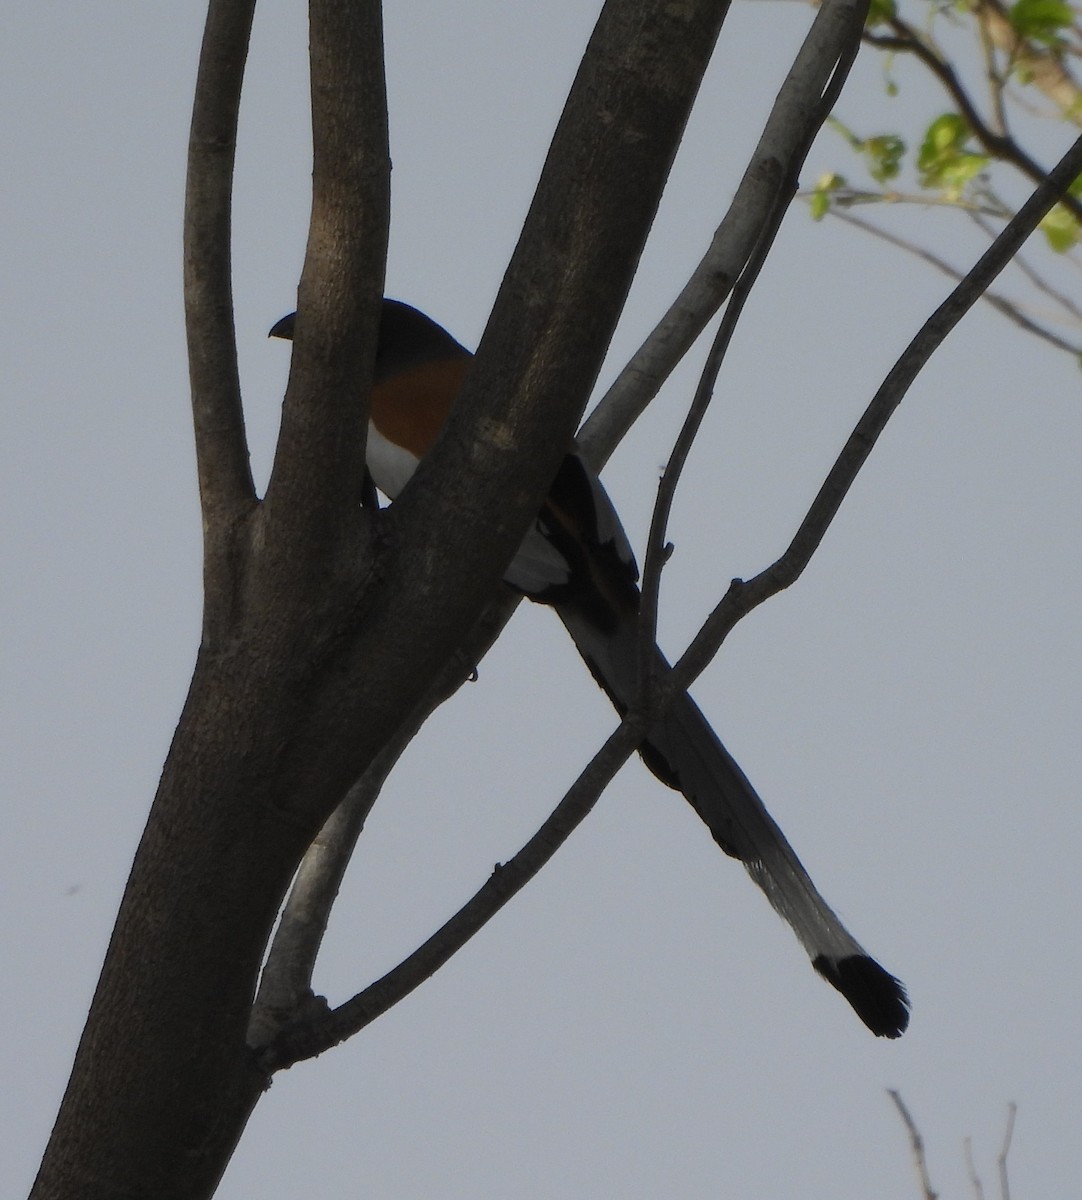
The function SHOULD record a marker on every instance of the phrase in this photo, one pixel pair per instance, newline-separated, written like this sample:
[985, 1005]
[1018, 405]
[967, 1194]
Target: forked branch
[743, 596]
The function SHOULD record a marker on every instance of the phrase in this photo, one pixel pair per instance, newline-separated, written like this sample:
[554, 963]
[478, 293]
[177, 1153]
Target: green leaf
[880, 11]
[945, 160]
[819, 205]
[884, 154]
[962, 170]
[1041, 20]
[1061, 229]
[829, 181]
[946, 135]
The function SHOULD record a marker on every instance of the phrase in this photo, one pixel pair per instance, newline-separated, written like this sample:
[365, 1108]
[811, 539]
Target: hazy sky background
[638, 1023]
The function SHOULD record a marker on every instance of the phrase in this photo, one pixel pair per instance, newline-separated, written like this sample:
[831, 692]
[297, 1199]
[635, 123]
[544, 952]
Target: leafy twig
[1046, 69]
[1004, 147]
[850, 197]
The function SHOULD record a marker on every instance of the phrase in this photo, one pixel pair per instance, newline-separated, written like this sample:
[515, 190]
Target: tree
[229, 737]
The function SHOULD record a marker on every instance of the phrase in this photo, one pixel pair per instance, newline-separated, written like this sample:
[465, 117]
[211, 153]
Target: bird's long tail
[685, 753]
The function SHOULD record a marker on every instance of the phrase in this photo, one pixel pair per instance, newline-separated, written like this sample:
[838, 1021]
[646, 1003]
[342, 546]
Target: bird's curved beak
[284, 327]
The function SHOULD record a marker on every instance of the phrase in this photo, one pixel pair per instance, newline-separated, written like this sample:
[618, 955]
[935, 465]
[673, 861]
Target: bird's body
[577, 558]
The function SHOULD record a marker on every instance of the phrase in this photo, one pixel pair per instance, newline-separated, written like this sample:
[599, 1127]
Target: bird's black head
[407, 338]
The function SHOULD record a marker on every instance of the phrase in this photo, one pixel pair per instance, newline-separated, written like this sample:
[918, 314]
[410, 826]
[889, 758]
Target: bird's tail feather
[685, 753]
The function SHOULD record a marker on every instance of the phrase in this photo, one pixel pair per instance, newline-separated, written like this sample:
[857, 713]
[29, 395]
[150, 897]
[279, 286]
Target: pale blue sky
[638, 1023]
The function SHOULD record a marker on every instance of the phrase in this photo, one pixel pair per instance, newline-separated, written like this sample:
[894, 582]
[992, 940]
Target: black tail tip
[876, 996]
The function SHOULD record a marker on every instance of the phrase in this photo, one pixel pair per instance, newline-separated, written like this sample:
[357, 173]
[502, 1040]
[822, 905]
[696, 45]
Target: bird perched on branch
[577, 558]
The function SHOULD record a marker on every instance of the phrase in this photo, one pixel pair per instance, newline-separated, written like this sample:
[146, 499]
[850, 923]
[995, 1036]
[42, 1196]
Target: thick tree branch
[285, 986]
[338, 636]
[226, 489]
[221, 448]
[163, 1082]
[317, 479]
[779, 154]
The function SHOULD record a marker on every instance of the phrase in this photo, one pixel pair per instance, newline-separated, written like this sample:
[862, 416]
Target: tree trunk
[325, 624]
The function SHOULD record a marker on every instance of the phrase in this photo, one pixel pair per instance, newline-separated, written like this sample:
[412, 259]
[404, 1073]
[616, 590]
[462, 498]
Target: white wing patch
[391, 465]
[538, 565]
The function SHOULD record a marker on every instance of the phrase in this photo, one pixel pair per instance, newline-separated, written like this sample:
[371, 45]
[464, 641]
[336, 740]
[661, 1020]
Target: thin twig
[656, 553]
[971, 1168]
[1004, 1179]
[850, 197]
[1038, 280]
[1000, 303]
[225, 477]
[916, 1143]
[996, 83]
